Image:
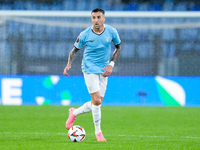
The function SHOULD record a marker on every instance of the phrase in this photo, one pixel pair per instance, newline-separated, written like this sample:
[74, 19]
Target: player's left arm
[116, 53]
[108, 69]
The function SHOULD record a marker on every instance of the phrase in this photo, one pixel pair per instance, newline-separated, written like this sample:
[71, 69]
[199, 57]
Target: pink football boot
[100, 137]
[70, 119]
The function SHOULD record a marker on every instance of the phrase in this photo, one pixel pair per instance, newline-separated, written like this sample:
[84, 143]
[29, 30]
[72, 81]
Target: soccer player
[96, 66]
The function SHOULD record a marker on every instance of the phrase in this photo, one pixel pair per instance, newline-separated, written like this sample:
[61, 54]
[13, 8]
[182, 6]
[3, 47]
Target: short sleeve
[79, 42]
[116, 38]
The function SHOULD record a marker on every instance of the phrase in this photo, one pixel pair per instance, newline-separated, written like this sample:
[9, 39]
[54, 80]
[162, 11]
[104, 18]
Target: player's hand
[108, 70]
[66, 69]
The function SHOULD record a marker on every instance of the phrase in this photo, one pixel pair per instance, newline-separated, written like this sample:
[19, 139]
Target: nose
[96, 19]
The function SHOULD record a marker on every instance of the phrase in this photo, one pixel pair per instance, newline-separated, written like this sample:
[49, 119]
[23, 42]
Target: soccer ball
[76, 133]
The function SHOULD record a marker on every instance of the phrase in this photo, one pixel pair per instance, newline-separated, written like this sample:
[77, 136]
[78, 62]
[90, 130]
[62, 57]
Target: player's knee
[96, 99]
[97, 102]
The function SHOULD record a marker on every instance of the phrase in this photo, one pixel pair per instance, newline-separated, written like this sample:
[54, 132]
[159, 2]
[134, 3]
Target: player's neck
[99, 30]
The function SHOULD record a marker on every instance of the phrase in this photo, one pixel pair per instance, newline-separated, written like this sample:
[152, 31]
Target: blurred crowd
[115, 5]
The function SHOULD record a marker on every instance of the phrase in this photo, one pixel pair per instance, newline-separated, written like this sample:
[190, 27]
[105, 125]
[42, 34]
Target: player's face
[98, 19]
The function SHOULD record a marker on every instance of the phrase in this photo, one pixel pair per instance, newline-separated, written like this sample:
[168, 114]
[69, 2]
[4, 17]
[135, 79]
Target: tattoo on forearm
[72, 54]
[116, 53]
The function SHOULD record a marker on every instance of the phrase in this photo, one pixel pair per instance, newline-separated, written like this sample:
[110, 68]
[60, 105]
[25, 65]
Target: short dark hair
[98, 10]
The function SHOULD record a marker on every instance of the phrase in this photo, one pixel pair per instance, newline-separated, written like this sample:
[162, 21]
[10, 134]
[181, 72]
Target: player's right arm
[71, 57]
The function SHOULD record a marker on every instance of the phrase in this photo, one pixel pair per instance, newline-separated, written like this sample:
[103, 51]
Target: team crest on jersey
[107, 39]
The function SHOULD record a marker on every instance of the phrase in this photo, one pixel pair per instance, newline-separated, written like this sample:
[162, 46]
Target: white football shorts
[96, 82]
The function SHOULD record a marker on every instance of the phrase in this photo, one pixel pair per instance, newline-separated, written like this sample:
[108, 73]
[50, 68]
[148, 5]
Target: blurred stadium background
[167, 46]
[159, 66]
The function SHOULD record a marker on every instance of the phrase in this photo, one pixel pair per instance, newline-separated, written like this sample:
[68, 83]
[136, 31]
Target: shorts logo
[90, 88]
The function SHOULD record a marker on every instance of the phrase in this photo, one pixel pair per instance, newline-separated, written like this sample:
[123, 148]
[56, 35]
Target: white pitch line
[154, 136]
[131, 135]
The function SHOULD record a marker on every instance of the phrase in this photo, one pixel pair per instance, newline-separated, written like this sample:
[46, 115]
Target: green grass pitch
[138, 128]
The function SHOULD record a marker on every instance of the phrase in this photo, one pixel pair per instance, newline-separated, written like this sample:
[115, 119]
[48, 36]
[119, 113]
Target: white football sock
[87, 107]
[96, 113]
